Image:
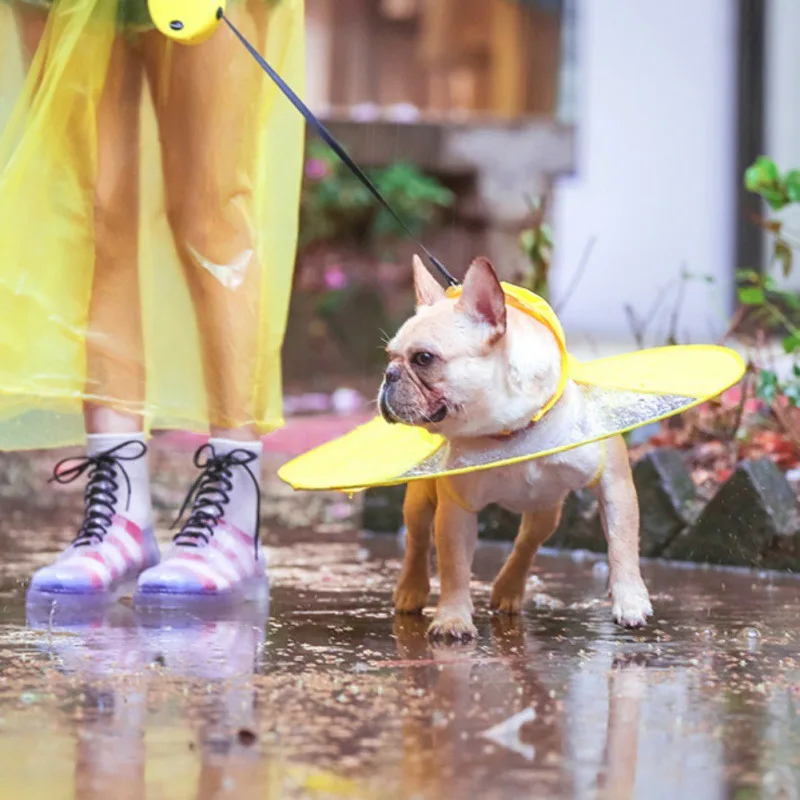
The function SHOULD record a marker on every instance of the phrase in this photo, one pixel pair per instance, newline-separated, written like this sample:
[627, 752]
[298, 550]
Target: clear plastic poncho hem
[149, 196]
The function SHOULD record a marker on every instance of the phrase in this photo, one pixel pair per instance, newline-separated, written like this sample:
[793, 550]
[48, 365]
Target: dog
[477, 372]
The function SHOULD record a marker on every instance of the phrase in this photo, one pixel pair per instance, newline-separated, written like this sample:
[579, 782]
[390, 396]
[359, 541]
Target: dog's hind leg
[413, 586]
[508, 591]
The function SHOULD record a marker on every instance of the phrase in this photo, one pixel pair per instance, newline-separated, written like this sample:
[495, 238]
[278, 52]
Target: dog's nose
[393, 373]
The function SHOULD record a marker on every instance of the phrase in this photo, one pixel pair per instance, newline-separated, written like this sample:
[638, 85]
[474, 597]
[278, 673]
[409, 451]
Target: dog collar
[517, 431]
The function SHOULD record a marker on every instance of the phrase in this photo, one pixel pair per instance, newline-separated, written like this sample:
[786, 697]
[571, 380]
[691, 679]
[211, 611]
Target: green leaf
[527, 240]
[757, 175]
[791, 343]
[793, 185]
[769, 284]
[761, 175]
[767, 386]
[789, 299]
[783, 253]
[768, 168]
[768, 377]
[792, 393]
[751, 295]
[747, 276]
[752, 179]
[776, 199]
[767, 394]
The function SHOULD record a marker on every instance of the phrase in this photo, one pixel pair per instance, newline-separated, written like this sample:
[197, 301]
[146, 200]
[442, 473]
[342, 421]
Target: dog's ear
[428, 289]
[482, 297]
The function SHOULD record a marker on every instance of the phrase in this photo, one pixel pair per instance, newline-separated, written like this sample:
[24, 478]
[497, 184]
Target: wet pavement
[325, 694]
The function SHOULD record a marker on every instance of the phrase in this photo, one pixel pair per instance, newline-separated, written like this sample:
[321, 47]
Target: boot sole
[70, 597]
[254, 590]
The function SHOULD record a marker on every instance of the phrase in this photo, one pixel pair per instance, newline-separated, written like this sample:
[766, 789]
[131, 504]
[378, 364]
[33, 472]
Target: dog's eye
[422, 359]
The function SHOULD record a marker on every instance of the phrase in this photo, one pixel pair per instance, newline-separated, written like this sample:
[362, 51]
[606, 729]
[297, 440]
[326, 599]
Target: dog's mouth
[391, 416]
[438, 416]
[386, 409]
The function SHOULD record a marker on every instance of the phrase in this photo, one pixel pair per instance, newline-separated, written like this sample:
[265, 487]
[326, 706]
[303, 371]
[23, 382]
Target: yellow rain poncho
[149, 197]
[622, 393]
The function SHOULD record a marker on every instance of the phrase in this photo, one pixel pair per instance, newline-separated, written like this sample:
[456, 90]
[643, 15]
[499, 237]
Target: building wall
[469, 57]
[318, 54]
[782, 101]
[654, 176]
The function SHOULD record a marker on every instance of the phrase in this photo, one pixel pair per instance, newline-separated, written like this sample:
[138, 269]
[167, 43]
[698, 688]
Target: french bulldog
[476, 371]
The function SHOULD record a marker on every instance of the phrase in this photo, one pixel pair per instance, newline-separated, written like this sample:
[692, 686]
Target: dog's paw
[410, 598]
[506, 600]
[450, 625]
[630, 605]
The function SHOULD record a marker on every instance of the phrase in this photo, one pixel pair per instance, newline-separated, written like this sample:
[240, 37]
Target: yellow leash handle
[186, 21]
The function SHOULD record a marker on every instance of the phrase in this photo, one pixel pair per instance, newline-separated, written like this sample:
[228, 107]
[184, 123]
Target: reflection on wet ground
[326, 694]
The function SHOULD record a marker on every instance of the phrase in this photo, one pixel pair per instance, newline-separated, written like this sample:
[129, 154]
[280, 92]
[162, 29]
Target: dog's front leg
[456, 534]
[413, 585]
[619, 510]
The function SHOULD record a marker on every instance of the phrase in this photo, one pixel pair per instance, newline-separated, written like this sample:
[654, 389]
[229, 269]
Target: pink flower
[316, 169]
[335, 277]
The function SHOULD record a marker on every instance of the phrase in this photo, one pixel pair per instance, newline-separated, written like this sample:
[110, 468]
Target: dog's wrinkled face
[455, 369]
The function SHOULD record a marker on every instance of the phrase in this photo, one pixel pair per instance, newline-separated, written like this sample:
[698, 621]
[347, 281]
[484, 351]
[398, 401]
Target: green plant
[336, 208]
[760, 295]
[416, 197]
[763, 178]
[767, 299]
[536, 242]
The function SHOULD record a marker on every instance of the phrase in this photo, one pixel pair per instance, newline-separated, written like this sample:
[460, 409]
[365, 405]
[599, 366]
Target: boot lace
[102, 489]
[210, 494]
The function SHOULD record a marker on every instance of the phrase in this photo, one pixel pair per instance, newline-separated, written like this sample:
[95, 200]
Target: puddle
[327, 694]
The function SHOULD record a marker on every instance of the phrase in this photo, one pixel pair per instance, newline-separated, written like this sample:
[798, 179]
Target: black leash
[329, 139]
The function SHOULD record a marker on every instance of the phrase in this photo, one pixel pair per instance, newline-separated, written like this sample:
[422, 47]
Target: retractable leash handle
[193, 21]
[186, 21]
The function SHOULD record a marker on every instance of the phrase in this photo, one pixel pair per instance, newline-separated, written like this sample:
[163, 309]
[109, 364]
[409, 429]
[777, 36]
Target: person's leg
[115, 364]
[31, 20]
[114, 350]
[206, 99]
[116, 540]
